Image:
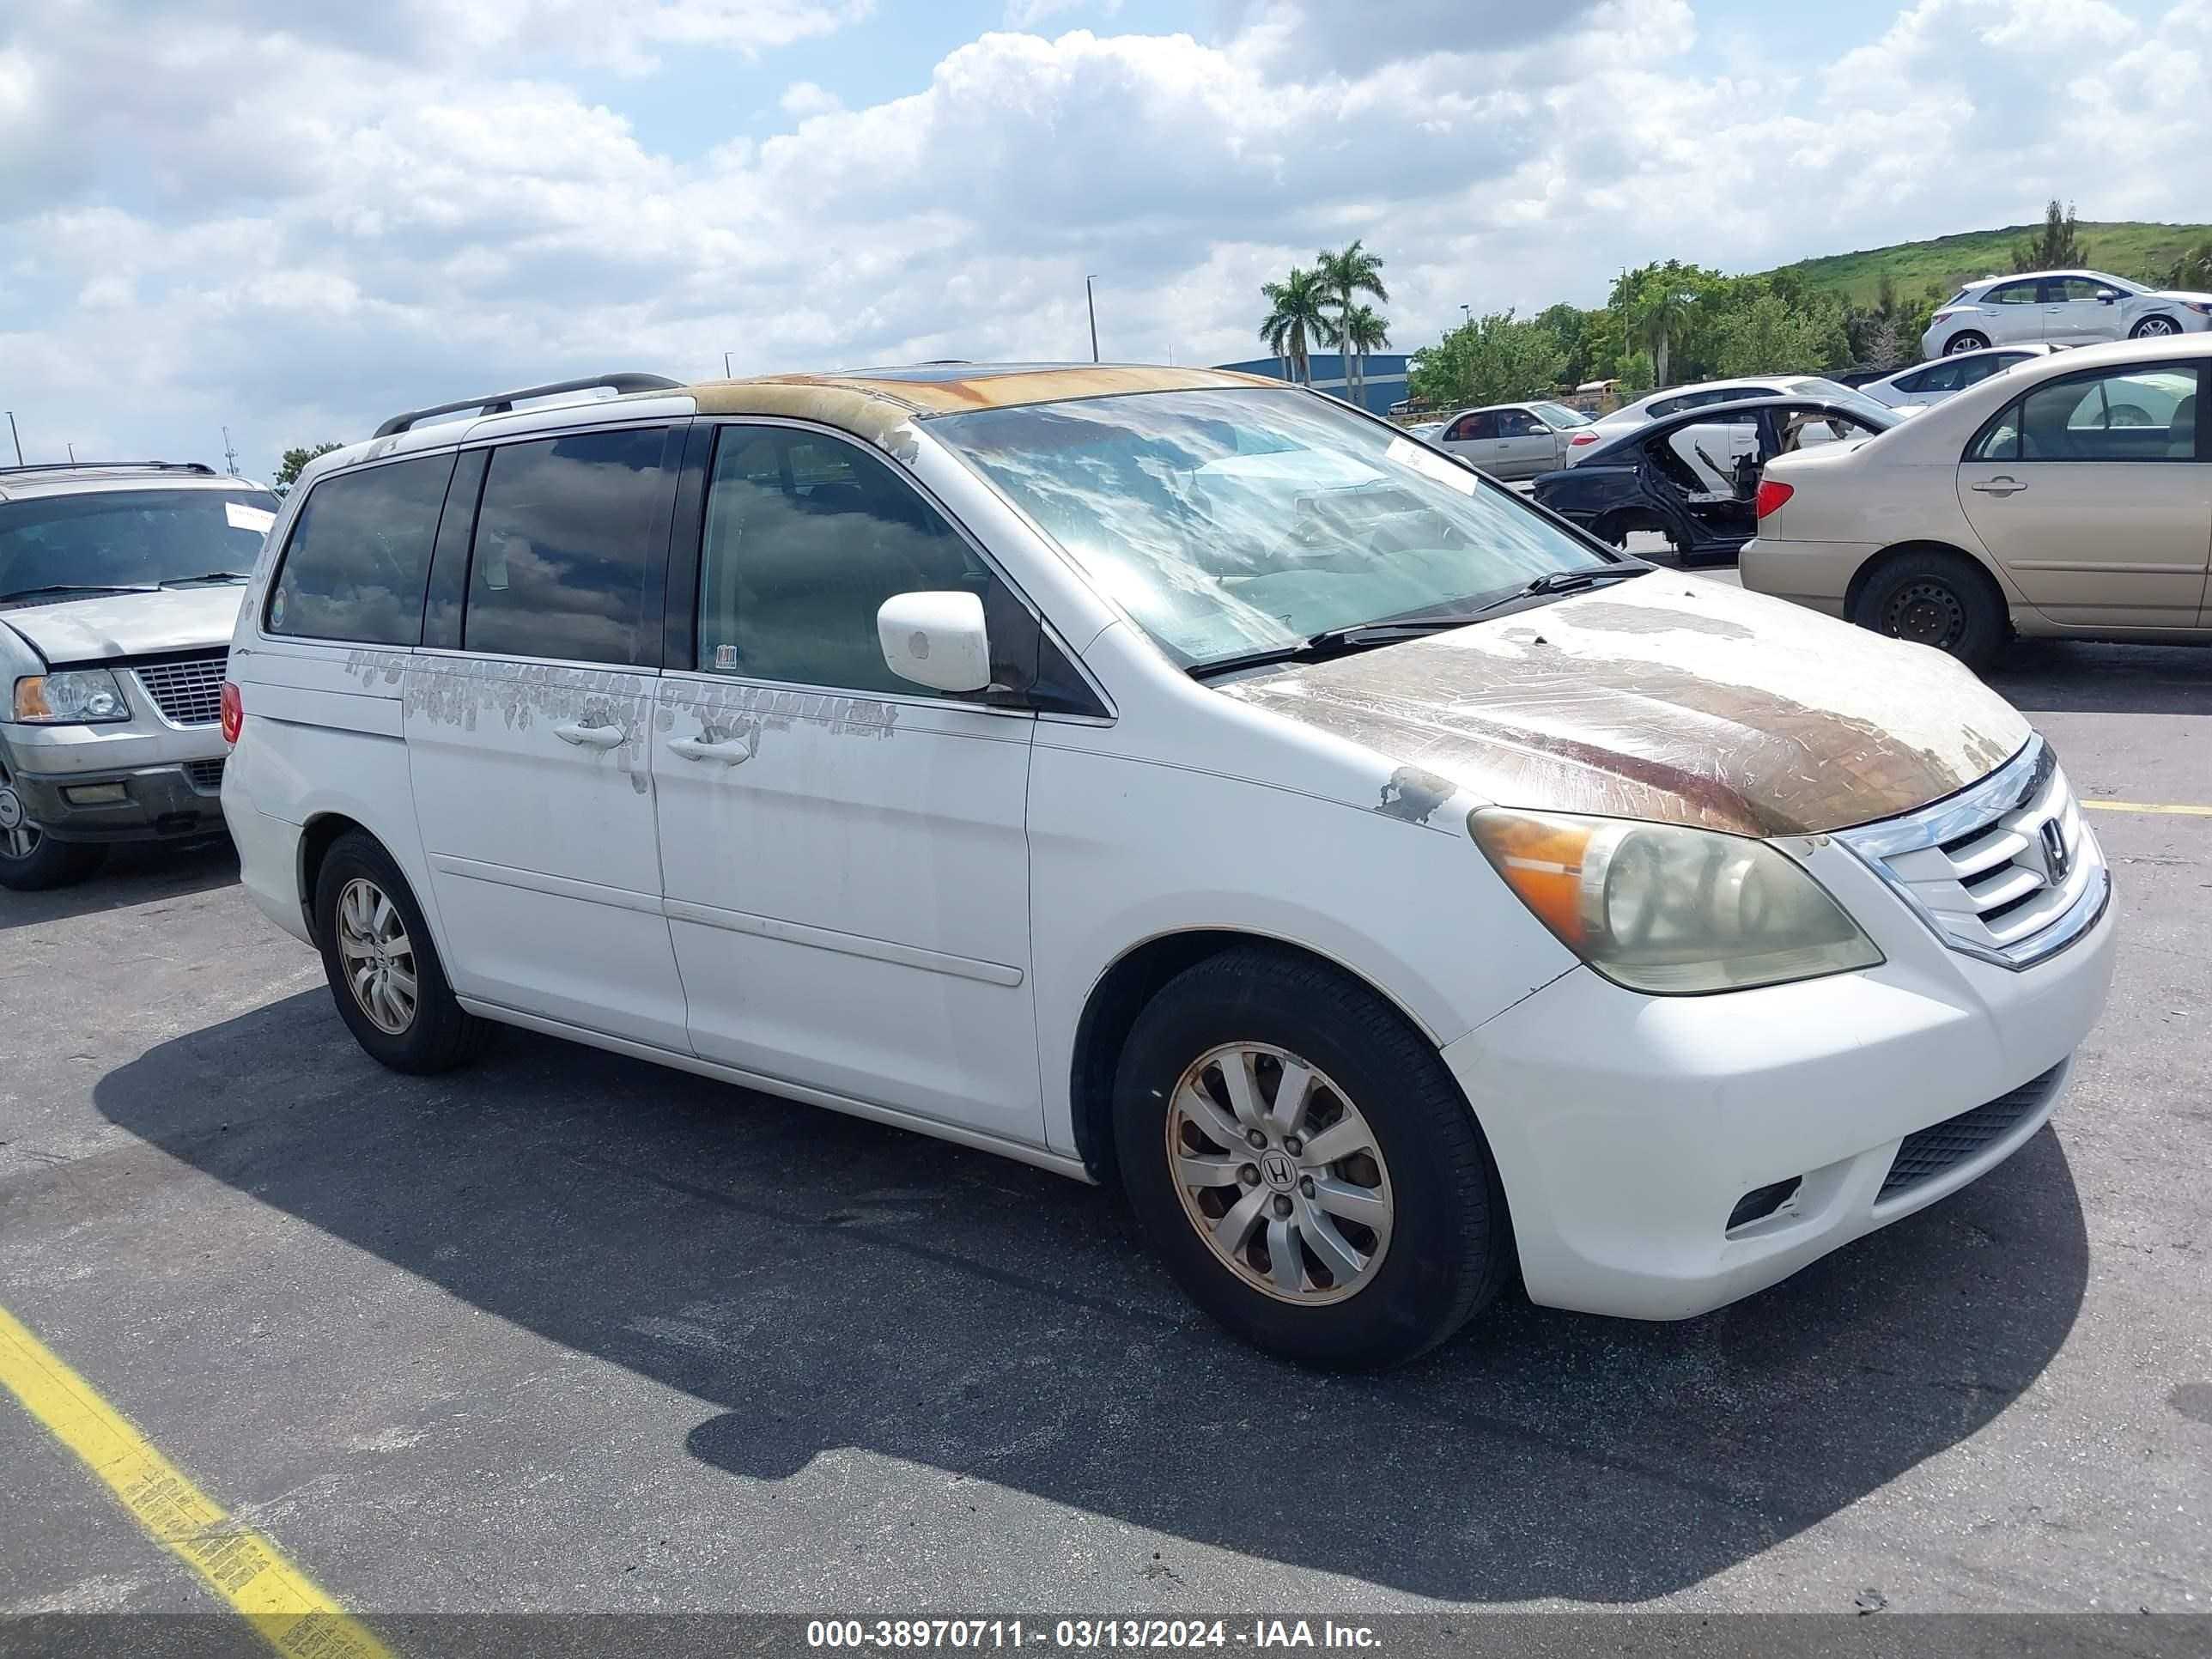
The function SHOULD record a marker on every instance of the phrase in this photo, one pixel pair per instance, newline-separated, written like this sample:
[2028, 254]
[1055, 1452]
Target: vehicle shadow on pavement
[825, 1284]
[2078, 677]
[133, 874]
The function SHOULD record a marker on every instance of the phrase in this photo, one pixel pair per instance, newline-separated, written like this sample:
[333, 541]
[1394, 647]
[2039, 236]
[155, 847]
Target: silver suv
[119, 591]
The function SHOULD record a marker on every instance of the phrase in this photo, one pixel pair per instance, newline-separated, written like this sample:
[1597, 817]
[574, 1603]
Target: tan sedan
[2070, 496]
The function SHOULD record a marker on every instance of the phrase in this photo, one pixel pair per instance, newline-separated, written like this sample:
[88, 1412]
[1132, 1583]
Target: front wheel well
[1889, 556]
[1121, 996]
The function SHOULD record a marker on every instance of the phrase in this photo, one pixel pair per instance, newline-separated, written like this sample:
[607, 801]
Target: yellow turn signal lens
[1542, 860]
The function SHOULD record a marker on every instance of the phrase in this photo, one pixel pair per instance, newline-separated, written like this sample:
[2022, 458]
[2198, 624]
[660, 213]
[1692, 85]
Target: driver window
[805, 536]
[1519, 423]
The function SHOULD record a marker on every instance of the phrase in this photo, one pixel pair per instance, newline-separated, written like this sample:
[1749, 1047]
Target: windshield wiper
[1334, 642]
[206, 576]
[1565, 581]
[1363, 636]
[79, 588]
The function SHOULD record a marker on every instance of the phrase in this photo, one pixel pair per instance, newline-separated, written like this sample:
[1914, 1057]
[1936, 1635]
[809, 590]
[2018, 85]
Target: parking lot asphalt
[566, 1331]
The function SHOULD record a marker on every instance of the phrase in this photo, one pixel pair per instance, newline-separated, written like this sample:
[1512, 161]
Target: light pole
[1465, 311]
[1090, 305]
[16, 435]
[726, 367]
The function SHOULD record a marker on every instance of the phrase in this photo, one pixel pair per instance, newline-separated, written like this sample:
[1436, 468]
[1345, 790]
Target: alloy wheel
[19, 836]
[2153, 327]
[379, 957]
[1280, 1173]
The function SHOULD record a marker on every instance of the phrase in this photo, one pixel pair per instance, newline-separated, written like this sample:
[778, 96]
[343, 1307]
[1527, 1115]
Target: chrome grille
[2005, 869]
[1927, 1153]
[188, 690]
[206, 775]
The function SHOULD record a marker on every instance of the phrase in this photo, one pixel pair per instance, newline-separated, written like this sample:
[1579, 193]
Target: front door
[2074, 315]
[1525, 446]
[2089, 492]
[529, 744]
[845, 851]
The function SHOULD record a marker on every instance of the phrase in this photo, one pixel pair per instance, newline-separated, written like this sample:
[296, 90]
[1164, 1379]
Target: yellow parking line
[242, 1565]
[2148, 806]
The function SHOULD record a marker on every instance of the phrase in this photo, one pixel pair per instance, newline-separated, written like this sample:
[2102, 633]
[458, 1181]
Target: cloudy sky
[295, 216]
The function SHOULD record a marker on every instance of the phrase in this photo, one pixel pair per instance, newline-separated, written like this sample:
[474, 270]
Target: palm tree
[1297, 314]
[1362, 330]
[1661, 306]
[1345, 275]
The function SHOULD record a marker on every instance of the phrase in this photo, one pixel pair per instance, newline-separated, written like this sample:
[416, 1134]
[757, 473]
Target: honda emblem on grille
[2055, 859]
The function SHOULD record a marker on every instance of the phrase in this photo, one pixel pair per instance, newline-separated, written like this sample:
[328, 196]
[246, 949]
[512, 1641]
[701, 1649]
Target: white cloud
[270, 218]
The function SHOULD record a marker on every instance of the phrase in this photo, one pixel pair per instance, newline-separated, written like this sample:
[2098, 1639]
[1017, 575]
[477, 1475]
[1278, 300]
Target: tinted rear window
[564, 548]
[360, 553]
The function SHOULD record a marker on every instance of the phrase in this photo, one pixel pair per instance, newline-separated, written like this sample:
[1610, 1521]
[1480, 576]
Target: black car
[1693, 477]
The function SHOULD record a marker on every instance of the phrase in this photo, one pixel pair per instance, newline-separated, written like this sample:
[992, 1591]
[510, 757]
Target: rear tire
[1383, 1156]
[1966, 341]
[1938, 599]
[31, 860]
[383, 967]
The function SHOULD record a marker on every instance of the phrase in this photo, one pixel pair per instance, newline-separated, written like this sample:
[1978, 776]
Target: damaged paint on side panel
[1666, 700]
[742, 710]
[471, 692]
[1415, 795]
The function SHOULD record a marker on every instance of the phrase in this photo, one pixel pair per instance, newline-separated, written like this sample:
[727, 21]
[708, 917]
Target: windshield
[1831, 392]
[130, 537]
[1231, 521]
[1558, 415]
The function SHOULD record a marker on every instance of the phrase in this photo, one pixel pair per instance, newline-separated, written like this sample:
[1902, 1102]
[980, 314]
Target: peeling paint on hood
[130, 624]
[1665, 698]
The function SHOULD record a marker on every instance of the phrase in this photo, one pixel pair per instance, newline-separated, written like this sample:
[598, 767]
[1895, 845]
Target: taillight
[1941, 317]
[1580, 439]
[1772, 492]
[234, 711]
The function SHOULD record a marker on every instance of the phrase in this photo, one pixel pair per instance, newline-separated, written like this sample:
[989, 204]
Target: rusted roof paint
[867, 406]
[1664, 698]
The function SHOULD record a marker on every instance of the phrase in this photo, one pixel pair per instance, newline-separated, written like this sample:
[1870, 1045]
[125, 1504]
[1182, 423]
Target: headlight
[1671, 911]
[74, 697]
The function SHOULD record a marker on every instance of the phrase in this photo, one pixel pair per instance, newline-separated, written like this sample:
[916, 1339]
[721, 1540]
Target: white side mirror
[936, 639]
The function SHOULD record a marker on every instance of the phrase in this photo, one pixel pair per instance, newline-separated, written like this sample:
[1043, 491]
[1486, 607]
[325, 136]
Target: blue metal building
[1385, 382]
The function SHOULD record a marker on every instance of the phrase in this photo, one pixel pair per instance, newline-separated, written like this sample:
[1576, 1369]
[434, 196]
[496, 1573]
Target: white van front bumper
[1629, 1129]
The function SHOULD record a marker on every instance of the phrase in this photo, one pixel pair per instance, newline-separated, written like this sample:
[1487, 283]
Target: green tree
[1297, 315]
[2054, 247]
[1362, 330]
[1770, 337]
[1499, 358]
[1657, 303]
[2193, 270]
[1570, 325]
[295, 463]
[1346, 274]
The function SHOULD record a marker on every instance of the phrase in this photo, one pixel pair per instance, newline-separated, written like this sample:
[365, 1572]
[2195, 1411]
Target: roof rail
[116, 466]
[501, 403]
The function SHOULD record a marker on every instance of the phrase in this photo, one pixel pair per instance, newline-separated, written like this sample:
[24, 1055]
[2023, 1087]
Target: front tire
[1966, 341]
[385, 974]
[2154, 328]
[1938, 599]
[1300, 1158]
[31, 860]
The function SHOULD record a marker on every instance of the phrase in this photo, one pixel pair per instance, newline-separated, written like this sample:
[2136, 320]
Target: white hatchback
[1170, 777]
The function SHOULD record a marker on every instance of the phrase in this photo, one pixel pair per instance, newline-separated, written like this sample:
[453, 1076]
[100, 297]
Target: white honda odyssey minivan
[1176, 778]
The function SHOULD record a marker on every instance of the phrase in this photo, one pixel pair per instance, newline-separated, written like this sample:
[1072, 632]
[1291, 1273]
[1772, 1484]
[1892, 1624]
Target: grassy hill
[2126, 247]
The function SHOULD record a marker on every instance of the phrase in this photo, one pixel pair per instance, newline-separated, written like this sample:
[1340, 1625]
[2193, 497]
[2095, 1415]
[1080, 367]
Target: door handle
[733, 753]
[2000, 485]
[590, 737]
